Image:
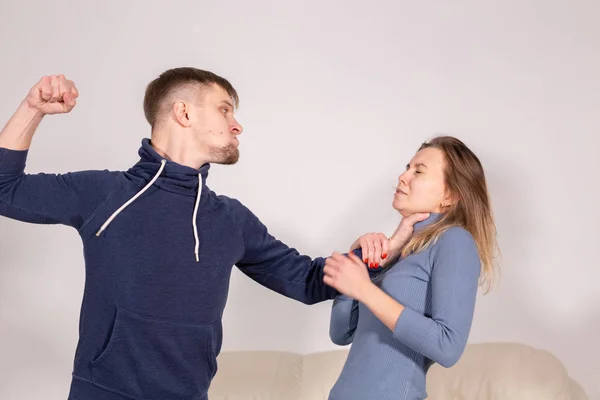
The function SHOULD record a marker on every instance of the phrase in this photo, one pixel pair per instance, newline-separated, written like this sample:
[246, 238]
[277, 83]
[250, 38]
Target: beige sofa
[490, 371]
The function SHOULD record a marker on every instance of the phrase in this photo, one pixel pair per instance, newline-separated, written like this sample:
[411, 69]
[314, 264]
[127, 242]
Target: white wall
[335, 99]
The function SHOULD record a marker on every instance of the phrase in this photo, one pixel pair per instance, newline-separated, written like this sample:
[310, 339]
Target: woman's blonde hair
[471, 209]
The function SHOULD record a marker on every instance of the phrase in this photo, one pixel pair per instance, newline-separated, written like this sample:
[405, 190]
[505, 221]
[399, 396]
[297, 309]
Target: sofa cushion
[501, 371]
[257, 375]
[489, 371]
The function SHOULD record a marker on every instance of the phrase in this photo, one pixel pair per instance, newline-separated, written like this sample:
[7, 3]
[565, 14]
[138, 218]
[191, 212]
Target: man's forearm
[19, 131]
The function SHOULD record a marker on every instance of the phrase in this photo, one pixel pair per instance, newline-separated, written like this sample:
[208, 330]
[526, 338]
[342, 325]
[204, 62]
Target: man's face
[216, 129]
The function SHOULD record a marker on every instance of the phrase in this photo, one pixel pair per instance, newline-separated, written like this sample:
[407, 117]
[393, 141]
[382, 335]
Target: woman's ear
[449, 199]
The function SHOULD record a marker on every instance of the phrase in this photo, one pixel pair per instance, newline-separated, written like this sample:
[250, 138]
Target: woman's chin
[401, 208]
[406, 211]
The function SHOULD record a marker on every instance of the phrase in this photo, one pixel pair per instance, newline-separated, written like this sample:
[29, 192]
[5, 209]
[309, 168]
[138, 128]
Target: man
[159, 245]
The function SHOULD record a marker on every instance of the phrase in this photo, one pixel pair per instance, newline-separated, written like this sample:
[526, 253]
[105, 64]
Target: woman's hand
[348, 275]
[375, 248]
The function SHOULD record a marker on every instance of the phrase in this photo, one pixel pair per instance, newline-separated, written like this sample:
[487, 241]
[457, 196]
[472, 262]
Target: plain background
[335, 99]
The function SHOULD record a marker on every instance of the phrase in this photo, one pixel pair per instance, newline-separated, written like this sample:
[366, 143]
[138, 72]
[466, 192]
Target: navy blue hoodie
[159, 248]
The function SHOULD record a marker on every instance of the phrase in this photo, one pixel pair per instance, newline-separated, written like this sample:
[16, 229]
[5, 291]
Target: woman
[419, 309]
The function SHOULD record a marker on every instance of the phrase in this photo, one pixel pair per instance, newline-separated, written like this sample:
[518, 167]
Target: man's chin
[227, 156]
[230, 161]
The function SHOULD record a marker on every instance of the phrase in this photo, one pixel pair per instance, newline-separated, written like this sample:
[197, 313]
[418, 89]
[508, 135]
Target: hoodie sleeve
[66, 199]
[273, 264]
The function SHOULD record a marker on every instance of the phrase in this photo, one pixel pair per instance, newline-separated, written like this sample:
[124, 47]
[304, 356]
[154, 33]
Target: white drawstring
[197, 247]
[162, 166]
[114, 215]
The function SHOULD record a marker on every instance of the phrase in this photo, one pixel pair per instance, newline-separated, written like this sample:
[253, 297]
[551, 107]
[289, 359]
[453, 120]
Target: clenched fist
[53, 94]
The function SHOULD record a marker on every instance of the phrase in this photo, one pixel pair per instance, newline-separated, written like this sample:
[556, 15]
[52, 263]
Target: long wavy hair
[471, 208]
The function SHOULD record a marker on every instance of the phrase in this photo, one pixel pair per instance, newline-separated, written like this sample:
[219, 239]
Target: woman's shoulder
[455, 245]
[454, 238]
[456, 232]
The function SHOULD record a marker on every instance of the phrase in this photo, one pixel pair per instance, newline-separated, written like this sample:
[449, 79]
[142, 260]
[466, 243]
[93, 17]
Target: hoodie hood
[167, 175]
[174, 177]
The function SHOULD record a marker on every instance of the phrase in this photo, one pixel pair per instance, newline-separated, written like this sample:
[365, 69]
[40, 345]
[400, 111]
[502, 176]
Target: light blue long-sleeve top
[437, 287]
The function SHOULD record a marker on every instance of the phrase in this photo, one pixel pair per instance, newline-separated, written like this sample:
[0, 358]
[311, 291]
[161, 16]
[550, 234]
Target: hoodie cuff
[12, 161]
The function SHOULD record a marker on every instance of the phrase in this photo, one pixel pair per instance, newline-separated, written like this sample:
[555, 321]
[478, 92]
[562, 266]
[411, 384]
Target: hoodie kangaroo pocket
[156, 359]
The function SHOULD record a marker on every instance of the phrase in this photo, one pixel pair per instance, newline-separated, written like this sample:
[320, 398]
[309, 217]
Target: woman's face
[422, 188]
